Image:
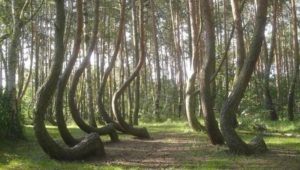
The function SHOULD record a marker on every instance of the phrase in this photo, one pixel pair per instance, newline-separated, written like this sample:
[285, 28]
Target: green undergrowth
[284, 151]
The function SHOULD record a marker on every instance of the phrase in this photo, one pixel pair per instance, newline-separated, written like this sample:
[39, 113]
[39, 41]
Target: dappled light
[149, 84]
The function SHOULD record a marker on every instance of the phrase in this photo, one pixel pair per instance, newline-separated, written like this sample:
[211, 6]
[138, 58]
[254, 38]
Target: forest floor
[172, 146]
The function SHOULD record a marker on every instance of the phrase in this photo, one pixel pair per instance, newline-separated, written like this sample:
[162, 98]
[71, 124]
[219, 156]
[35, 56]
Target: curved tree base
[138, 132]
[258, 145]
[141, 133]
[105, 130]
[110, 129]
[109, 120]
[196, 126]
[236, 144]
[190, 107]
[91, 145]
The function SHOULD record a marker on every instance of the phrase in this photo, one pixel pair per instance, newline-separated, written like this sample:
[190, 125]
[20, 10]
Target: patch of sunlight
[210, 164]
[283, 126]
[281, 140]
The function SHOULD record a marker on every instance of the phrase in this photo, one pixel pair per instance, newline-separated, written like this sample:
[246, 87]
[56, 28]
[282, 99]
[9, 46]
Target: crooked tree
[92, 144]
[106, 130]
[139, 132]
[190, 99]
[230, 106]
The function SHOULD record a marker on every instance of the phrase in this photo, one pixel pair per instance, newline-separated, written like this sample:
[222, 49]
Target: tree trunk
[139, 132]
[291, 94]
[268, 62]
[229, 108]
[72, 103]
[190, 100]
[240, 44]
[89, 86]
[62, 82]
[157, 63]
[136, 54]
[174, 6]
[92, 144]
[14, 129]
[211, 123]
[101, 91]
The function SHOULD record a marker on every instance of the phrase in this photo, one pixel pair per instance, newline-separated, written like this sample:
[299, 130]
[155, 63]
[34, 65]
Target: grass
[197, 152]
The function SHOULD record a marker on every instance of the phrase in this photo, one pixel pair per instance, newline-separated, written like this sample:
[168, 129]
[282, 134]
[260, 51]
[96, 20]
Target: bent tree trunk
[234, 142]
[61, 86]
[72, 103]
[190, 99]
[139, 132]
[105, 116]
[92, 144]
[211, 123]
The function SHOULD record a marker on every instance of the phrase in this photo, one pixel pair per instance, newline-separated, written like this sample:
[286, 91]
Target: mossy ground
[173, 146]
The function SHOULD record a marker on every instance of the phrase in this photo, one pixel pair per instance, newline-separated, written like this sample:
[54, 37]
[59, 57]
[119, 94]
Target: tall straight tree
[136, 54]
[157, 62]
[89, 86]
[176, 36]
[291, 95]
[240, 44]
[14, 127]
[268, 62]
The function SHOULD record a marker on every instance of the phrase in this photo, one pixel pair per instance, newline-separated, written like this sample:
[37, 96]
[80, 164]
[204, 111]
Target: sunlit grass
[28, 155]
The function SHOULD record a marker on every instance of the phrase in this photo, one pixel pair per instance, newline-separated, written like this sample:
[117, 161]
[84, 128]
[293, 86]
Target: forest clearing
[173, 146]
[149, 84]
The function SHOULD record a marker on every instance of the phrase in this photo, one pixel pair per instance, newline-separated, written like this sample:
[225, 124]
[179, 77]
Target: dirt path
[189, 150]
[162, 151]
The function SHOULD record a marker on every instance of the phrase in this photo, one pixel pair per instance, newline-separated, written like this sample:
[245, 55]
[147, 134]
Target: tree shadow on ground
[191, 150]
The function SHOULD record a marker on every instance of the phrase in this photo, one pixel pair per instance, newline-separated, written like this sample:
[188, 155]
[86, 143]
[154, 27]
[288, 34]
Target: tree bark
[89, 86]
[139, 132]
[63, 80]
[268, 62]
[72, 103]
[211, 123]
[101, 91]
[14, 129]
[92, 144]
[233, 141]
[291, 94]
[157, 63]
[240, 44]
[174, 7]
[136, 54]
[190, 100]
